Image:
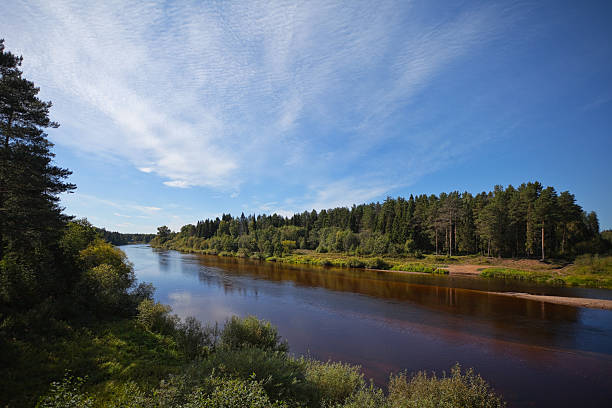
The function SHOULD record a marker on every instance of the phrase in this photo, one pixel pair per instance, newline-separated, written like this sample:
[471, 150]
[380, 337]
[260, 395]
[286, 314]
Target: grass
[108, 354]
[588, 271]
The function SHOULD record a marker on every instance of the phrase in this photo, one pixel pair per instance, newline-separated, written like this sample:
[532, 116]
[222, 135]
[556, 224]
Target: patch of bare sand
[561, 300]
[466, 269]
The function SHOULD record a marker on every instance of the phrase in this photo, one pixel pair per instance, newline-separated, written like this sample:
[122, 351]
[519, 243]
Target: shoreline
[467, 270]
[588, 303]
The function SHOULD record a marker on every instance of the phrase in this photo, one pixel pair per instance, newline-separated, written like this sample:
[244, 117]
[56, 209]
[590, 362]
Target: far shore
[474, 270]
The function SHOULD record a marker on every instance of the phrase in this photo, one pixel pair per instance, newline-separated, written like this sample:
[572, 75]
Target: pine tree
[31, 220]
[545, 212]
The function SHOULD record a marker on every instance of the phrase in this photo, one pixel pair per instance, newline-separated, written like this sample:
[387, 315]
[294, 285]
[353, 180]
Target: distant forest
[119, 238]
[528, 221]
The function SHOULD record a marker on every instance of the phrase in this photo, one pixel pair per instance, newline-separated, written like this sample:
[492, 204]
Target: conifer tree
[31, 221]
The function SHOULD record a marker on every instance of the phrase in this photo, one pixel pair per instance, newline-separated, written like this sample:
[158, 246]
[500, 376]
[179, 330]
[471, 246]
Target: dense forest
[528, 221]
[121, 238]
[77, 330]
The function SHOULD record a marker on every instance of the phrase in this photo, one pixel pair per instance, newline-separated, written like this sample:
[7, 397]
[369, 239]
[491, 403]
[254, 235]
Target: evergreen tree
[31, 221]
[545, 212]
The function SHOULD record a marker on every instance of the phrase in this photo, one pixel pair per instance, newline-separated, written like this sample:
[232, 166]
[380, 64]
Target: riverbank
[561, 300]
[588, 271]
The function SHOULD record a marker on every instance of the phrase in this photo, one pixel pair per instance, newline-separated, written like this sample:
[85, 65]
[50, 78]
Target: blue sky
[178, 111]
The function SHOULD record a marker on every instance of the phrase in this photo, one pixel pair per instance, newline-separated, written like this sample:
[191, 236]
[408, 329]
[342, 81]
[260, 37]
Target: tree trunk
[455, 235]
[450, 235]
[563, 241]
[542, 241]
[436, 241]
[489, 247]
[446, 239]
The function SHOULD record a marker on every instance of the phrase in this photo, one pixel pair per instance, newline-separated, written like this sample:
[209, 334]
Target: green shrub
[459, 390]
[193, 339]
[334, 382]
[356, 263]
[100, 252]
[66, 394]
[232, 394]
[415, 267]
[104, 289]
[129, 395]
[281, 376]
[366, 397]
[592, 264]
[156, 317]
[242, 253]
[377, 263]
[251, 331]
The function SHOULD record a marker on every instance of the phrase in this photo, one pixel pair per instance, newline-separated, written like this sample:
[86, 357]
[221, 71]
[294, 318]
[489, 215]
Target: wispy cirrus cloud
[219, 94]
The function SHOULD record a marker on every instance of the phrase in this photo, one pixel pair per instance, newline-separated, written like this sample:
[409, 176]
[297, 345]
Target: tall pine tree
[31, 220]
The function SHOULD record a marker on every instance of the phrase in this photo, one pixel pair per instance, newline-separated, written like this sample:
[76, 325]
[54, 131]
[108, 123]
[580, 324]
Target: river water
[535, 354]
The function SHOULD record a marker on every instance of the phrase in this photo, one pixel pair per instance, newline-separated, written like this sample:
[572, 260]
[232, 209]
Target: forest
[529, 221]
[119, 238]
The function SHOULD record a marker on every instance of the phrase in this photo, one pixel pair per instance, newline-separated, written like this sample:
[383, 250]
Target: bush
[66, 394]
[595, 264]
[377, 263]
[282, 377]
[156, 317]
[250, 331]
[104, 289]
[334, 382]
[129, 395]
[455, 391]
[193, 339]
[366, 397]
[100, 252]
[232, 394]
[242, 253]
[356, 263]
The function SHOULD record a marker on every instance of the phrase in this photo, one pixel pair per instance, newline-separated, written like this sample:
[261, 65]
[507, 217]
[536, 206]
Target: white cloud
[215, 94]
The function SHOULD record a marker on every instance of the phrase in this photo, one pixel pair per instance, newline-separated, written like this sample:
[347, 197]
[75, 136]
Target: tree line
[525, 221]
[121, 238]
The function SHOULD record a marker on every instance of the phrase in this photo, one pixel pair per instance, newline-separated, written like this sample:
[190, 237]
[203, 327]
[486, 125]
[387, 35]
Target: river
[534, 353]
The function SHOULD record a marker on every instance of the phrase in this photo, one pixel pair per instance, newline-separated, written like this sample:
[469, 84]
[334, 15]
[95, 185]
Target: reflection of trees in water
[491, 315]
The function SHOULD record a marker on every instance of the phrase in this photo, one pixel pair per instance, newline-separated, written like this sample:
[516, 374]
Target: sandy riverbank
[561, 300]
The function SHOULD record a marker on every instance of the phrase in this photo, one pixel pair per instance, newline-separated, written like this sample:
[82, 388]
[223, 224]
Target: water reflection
[389, 322]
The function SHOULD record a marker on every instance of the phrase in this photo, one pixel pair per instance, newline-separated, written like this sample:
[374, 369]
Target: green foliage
[334, 382]
[100, 252]
[252, 332]
[377, 263]
[416, 268]
[79, 235]
[156, 317]
[282, 377]
[31, 221]
[507, 273]
[232, 394]
[355, 263]
[193, 339]
[109, 354]
[365, 397]
[104, 289]
[593, 264]
[66, 394]
[459, 390]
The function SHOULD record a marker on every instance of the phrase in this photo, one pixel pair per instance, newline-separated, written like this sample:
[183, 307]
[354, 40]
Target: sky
[177, 111]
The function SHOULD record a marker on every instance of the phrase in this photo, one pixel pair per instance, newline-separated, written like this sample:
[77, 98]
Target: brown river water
[536, 354]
